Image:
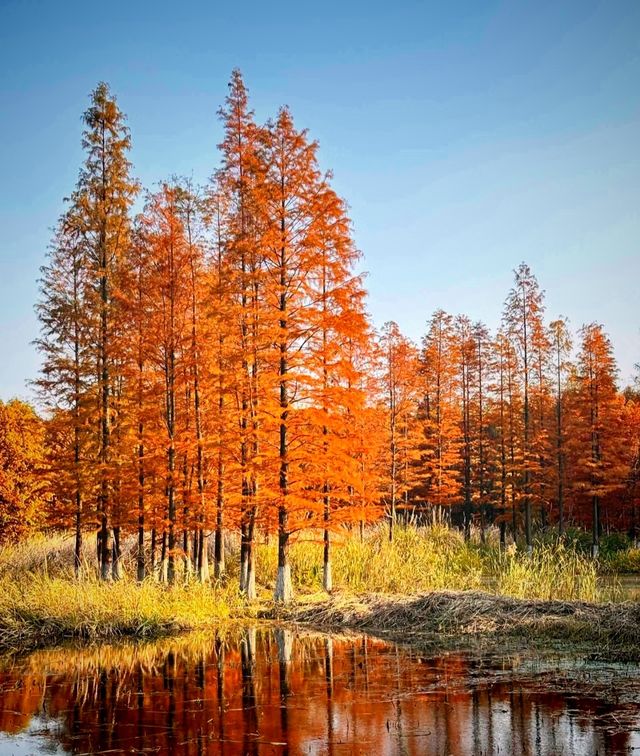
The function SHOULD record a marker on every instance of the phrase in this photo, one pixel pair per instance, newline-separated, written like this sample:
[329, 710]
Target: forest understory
[428, 585]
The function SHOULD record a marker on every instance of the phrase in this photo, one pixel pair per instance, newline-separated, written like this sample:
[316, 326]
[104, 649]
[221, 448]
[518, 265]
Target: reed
[42, 603]
[437, 558]
[39, 610]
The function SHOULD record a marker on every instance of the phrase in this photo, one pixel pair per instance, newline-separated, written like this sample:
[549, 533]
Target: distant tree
[523, 312]
[597, 437]
[439, 413]
[504, 421]
[560, 339]
[400, 391]
[466, 354]
[631, 496]
[480, 440]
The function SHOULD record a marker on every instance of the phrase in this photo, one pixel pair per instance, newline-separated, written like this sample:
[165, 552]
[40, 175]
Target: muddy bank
[474, 614]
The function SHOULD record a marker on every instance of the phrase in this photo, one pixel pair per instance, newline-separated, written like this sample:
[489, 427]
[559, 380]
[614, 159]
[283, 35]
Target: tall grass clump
[37, 609]
[549, 572]
[437, 558]
[418, 559]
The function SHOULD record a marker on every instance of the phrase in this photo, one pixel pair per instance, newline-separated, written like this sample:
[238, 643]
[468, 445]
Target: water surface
[270, 690]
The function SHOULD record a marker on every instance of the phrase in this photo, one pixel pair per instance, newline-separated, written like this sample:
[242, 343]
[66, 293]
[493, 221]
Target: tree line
[209, 365]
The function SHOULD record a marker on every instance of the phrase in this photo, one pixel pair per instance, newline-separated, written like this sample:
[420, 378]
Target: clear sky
[466, 137]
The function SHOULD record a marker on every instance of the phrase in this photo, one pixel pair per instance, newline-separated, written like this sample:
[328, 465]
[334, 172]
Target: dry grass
[423, 559]
[41, 603]
[38, 610]
[474, 614]
[437, 558]
[419, 559]
[550, 572]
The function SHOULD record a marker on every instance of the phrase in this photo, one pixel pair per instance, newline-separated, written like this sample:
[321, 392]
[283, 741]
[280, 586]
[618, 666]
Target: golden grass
[41, 602]
[38, 610]
[436, 559]
[549, 572]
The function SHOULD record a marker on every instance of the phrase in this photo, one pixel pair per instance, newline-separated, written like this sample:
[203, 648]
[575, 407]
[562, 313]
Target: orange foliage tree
[23, 484]
[211, 368]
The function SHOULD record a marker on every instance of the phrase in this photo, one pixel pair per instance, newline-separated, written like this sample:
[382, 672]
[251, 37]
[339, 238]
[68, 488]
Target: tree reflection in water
[259, 690]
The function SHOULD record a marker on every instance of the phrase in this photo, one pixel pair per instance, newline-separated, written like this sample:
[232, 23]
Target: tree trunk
[164, 561]
[169, 540]
[244, 557]
[218, 542]
[250, 586]
[153, 552]
[106, 549]
[77, 549]
[595, 529]
[284, 589]
[117, 555]
[327, 578]
[203, 557]
[140, 555]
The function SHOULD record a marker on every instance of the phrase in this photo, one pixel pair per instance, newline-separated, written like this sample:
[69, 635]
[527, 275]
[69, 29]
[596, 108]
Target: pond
[274, 690]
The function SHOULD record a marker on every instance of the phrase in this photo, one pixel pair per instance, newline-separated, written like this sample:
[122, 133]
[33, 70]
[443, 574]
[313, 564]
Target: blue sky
[466, 137]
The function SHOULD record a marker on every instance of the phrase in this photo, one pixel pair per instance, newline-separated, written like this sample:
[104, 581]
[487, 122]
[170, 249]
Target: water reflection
[272, 691]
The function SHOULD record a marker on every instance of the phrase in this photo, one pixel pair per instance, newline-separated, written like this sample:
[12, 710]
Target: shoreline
[430, 618]
[446, 617]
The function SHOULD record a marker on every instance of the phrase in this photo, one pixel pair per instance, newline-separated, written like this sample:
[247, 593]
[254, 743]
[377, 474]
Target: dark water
[272, 691]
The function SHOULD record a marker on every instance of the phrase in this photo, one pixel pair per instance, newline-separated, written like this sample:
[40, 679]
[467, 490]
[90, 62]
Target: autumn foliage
[209, 366]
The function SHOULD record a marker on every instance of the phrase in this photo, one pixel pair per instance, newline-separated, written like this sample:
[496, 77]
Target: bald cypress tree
[100, 217]
[66, 378]
[523, 312]
[239, 188]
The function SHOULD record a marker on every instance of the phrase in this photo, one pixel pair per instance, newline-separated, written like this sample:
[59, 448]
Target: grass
[447, 614]
[41, 603]
[38, 610]
[549, 572]
[623, 562]
[417, 560]
[437, 559]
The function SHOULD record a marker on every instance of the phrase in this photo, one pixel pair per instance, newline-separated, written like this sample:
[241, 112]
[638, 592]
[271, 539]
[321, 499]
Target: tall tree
[240, 181]
[338, 333]
[399, 385]
[599, 466]
[480, 440]
[189, 208]
[504, 418]
[561, 345]
[439, 412]
[222, 368]
[304, 226]
[523, 312]
[100, 216]
[466, 353]
[67, 372]
[171, 309]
